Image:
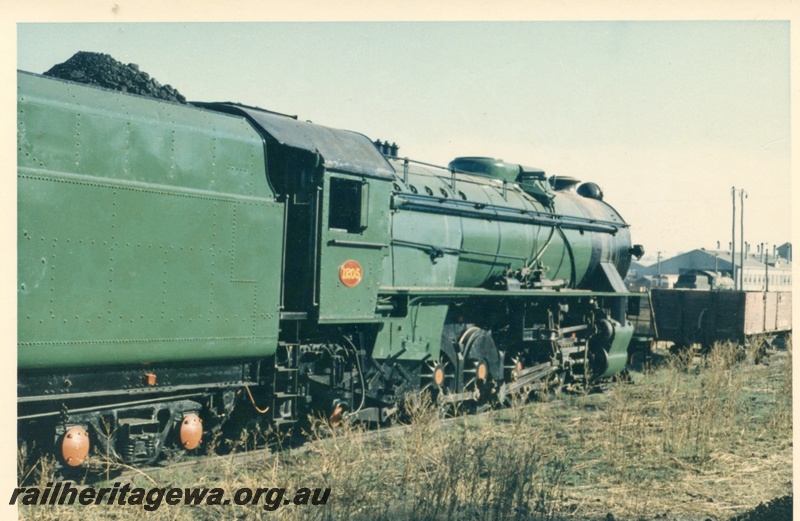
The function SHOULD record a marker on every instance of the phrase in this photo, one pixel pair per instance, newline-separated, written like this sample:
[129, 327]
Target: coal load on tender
[104, 71]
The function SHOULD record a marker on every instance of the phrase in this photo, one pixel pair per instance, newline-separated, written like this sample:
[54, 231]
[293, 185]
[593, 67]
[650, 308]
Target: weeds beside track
[695, 439]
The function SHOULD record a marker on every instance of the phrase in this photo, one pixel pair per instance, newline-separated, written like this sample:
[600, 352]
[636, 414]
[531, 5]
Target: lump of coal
[103, 70]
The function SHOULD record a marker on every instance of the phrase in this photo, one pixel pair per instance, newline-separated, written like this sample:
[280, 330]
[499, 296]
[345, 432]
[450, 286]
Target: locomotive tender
[189, 268]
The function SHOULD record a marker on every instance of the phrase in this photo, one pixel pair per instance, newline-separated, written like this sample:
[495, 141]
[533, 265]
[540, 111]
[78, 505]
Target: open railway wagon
[686, 316]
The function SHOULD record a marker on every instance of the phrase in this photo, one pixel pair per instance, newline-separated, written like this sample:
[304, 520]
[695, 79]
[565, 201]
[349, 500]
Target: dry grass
[704, 438]
[695, 439]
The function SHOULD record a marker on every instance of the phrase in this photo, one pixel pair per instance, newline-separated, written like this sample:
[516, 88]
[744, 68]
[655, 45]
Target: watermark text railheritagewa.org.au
[66, 493]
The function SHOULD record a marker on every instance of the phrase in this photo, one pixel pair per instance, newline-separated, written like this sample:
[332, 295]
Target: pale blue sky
[665, 116]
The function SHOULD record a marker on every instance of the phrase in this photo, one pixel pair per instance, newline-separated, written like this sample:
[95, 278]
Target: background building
[758, 275]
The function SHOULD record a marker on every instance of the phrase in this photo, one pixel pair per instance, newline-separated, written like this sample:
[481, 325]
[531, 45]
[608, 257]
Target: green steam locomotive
[190, 269]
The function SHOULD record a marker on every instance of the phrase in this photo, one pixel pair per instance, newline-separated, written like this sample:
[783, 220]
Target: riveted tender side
[147, 263]
[144, 229]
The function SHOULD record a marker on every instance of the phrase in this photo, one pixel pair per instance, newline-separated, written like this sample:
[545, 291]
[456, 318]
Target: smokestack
[733, 239]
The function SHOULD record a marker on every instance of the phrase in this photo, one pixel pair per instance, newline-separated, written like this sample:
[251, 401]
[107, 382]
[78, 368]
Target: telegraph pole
[733, 240]
[742, 197]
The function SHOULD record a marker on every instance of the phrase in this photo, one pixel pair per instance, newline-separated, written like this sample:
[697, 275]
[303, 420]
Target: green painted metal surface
[425, 246]
[147, 231]
[569, 254]
[453, 234]
[487, 166]
[353, 247]
[462, 293]
[618, 353]
[484, 227]
[414, 337]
